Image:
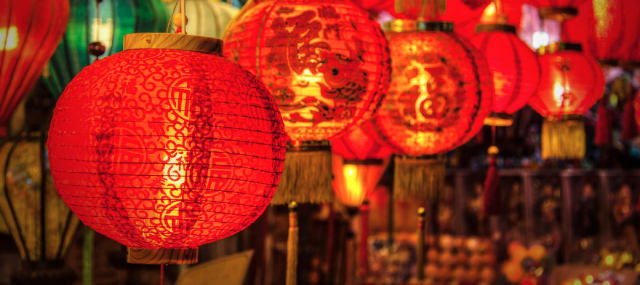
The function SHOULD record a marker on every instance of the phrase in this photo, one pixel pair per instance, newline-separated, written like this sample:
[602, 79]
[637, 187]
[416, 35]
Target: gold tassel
[563, 139]
[418, 178]
[292, 246]
[306, 178]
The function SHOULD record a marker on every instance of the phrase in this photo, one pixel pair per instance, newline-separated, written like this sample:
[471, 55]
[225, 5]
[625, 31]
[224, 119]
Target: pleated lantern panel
[163, 148]
[30, 30]
[204, 17]
[117, 18]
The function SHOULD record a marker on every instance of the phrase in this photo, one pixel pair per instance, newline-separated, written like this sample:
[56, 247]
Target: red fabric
[491, 193]
[325, 62]
[439, 96]
[514, 67]
[360, 143]
[161, 148]
[603, 124]
[30, 30]
[609, 34]
[583, 78]
[629, 124]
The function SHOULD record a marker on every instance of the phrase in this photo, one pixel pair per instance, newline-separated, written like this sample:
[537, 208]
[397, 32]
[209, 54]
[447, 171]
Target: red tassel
[491, 194]
[629, 125]
[363, 252]
[603, 125]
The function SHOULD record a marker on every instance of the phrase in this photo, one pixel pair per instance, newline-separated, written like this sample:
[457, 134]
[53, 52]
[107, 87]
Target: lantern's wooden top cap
[496, 28]
[403, 25]
[173, 41]
[557, 13]
[558, 47]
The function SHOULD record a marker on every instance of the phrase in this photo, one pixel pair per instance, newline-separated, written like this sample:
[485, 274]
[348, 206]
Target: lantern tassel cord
[173, 12]
[161, 274]
[292, 246]
[421, 250]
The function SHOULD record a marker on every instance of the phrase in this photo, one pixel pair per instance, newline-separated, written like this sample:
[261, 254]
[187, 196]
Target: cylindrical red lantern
[440, 92]
[164, 147]
[514, 68]
[29, 33]
[607, 29]
[571, 83]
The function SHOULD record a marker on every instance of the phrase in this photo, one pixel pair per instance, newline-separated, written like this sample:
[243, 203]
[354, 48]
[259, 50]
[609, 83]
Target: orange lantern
[327, 65]
[571, 83]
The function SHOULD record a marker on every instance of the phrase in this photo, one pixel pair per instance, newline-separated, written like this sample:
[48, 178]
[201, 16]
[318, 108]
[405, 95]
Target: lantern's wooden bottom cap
[162, 255]
[173, 41]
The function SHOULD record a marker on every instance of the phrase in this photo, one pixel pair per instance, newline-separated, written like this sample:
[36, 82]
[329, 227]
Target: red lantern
[326, 62]
[166, 148]
[514, 67]
[29, 33]
[571, 83]
[440, 92]
[557, 9]
[358, 163]
[607, 29]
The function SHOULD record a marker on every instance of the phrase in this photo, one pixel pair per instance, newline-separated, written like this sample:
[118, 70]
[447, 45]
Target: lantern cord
[493, 135]
[183, 14]
[161, 274]
[173, 12]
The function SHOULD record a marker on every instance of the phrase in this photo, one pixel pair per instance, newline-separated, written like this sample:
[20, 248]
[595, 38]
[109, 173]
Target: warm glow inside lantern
[166, 146]
[29, 32]
[514, 67]
[571, 83]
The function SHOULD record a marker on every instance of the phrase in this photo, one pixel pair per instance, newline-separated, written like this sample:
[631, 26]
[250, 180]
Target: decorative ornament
[571, 83]
[29, 33]
[40, 223]
[166, 146]
[210, 17]
[95, 31]
[514, 67]
[440, 94]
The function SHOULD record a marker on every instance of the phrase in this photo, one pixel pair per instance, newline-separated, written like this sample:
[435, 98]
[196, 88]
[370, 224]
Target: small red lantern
[571, 83]
[607, 29]
[164, 147]
[29, 33]
[514, 67]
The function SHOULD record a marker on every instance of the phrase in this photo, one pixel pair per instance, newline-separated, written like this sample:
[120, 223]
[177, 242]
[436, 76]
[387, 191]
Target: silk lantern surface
[514, 68]
[607, 29]
[359, 161]
[440, 92]
[166, 148]
[325, 62]
[117, 18]
[571, 83]
[205, 17]
[29, 33]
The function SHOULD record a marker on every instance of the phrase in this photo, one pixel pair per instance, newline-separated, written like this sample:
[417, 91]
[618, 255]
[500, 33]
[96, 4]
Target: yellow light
[540, 39]
[489, 13]
[589, 279]
[577, 282]
[102, 32]
[606, 283]
[8, 40]
[626, 257]
[558, 93]
[355, 191]
[608, 260]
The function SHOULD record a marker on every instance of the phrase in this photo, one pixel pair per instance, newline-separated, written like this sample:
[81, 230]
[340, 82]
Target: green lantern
[104, 22]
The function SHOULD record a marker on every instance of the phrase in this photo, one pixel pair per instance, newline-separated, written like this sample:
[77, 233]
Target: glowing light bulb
[589, 279]
[540, 39]
[8, 38]
[558, 93]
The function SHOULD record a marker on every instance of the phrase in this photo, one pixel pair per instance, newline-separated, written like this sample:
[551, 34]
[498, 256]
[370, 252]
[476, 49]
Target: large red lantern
[514, 67]
[164, 147]
[571, 83]
[29, 33]
[607, 29]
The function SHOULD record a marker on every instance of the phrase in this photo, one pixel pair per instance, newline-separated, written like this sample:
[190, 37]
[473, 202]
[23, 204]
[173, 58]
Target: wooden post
[292, 245]
[421, 253]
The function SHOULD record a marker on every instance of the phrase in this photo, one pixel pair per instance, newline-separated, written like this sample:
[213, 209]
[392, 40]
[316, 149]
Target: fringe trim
[306, 178]
[418, 178]
[563, 139]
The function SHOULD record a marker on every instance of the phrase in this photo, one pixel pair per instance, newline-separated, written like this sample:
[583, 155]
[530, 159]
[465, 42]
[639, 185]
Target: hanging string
[161, 274]
[171, 18]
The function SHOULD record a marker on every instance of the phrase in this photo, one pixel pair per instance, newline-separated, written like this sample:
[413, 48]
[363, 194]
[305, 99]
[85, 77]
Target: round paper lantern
[514, 67]
[571, 83]
[205, 17]
[325, 62]
[327, 65]
[607, 29]
[164, 147]
[440, 92]
[29, 33]
[87, 28]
